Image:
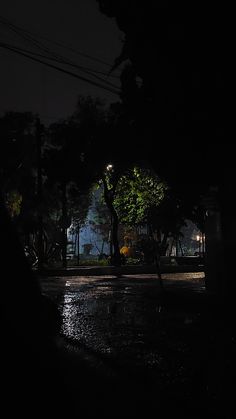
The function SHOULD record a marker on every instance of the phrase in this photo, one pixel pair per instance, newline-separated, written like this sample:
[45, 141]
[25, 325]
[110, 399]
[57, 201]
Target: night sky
[30, 86]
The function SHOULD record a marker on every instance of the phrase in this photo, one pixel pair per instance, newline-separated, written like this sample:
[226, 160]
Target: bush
[133, 261]
[94, 262]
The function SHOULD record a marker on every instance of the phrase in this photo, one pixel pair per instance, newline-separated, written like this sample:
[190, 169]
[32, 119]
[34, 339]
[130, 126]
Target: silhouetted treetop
[173, 93]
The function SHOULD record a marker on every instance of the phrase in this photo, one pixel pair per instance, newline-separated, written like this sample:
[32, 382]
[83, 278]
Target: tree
[110, 179]
[138, 191]
[18, 151]
[75, 146]
[79, 203]
[19, 168]
[67, 177]
[142, 198]
[101, 222]
[179, 53]
[99, 129]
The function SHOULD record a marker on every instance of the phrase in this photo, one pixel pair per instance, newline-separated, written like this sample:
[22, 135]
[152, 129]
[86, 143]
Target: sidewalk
[122, 270]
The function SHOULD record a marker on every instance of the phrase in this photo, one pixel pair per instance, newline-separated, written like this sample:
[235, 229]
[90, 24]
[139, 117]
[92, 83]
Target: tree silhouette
[175, 65]
[173, 49]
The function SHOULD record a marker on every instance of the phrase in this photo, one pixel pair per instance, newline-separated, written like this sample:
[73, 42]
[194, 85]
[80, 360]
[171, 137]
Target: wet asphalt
[138, 348]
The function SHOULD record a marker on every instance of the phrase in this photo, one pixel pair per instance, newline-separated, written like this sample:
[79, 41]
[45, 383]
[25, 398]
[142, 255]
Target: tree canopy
[173, 92]
[138, 191]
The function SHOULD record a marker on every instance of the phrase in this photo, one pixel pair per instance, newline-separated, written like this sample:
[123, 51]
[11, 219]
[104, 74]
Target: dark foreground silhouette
[43, 374]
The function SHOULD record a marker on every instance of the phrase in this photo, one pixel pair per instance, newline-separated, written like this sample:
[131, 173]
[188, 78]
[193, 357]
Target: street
[118, 315]
[126, 321]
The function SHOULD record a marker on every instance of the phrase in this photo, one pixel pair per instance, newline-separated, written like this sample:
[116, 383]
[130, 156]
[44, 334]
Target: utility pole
[38, 134]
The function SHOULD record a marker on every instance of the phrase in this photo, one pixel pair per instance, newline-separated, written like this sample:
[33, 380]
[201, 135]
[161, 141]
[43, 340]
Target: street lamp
[198, 237]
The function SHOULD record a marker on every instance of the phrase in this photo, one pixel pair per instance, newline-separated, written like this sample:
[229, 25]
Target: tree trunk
[115, 241]
[110, 238]
[78, 243]
[64, 227]
[108, 196]
[164, 245]
[177, 246]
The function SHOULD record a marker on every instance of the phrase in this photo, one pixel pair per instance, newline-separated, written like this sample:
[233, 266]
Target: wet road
[159, 339]
[126, 318]
[99, 310]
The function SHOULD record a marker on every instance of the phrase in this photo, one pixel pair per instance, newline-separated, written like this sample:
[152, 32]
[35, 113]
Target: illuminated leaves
[137, 193]
[13, 202]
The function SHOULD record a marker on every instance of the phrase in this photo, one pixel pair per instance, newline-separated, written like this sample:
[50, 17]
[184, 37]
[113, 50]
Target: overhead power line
[51, 55]
[27, 54]
[30, 36]
[63, 61]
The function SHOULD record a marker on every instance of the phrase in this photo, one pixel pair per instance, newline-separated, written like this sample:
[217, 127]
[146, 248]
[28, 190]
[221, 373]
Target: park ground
[127, 346]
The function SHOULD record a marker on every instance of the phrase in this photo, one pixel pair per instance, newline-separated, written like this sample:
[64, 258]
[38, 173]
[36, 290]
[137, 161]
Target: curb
[117, 271]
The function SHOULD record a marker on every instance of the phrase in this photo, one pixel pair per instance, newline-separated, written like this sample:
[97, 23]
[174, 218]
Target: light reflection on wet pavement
[151, 350]
[125, 318]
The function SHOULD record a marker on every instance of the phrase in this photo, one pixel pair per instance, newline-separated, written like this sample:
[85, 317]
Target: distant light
[109, 166]
[197, 237]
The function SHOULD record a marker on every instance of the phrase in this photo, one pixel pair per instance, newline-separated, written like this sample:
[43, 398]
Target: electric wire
[29, 35]
[33, 58]
[62, 61]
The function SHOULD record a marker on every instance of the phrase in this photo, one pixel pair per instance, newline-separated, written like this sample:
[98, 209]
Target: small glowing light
[197, 237]
[109, 166]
